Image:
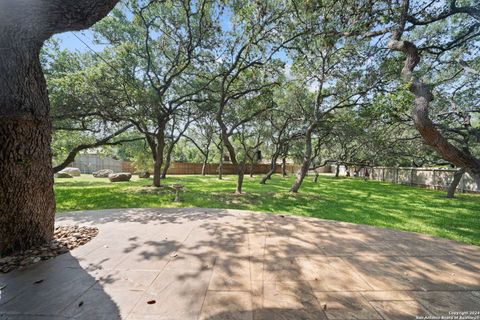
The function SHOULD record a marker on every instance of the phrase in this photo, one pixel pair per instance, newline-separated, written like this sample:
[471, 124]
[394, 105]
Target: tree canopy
[316, 82]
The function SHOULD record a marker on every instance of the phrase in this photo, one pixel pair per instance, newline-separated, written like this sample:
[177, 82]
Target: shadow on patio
[225, 264]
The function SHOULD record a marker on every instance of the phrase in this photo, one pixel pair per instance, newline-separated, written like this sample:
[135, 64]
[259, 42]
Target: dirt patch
[150, 190]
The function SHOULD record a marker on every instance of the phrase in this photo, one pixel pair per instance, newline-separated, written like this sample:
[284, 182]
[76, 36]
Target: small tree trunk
[337, 170]
[206, 153]
[284, 166]
[157, 165]
[204, 165]
[266, 177]
[166, 166]
[238, 165]
[273, 167]
[453, 185]
[315, 180]
[220, 164]
[240, 176]
[251, 168]
[302, 172]
[307, 159]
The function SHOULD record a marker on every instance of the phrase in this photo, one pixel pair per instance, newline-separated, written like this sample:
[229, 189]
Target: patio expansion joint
[206, 290]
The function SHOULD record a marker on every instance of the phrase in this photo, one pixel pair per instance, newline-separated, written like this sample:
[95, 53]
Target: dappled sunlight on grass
[351, 200]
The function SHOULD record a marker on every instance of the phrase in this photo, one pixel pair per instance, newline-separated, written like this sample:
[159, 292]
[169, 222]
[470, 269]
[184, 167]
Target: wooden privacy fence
[228, 168]
[422, 177]
[89, 163]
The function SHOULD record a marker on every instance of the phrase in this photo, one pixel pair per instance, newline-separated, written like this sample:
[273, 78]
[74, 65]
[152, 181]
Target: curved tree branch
[41, 19]
[101, 142]
[420, 113]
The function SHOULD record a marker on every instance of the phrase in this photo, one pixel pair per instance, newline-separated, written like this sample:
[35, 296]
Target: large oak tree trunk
[423, 96]
[27, 201]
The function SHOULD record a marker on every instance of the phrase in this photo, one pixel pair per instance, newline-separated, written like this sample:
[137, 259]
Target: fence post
[383, 174]
[411, 176]
[434, 179]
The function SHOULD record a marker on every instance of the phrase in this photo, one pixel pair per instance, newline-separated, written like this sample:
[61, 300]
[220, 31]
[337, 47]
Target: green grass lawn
[352, 200]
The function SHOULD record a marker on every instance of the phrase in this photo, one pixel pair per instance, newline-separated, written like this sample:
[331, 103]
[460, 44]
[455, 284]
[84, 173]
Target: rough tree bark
[457, 176]
[337, 170]
[420, 113]
[27, 201]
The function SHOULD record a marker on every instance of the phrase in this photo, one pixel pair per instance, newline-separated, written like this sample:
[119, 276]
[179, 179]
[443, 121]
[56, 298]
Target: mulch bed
[65, 239]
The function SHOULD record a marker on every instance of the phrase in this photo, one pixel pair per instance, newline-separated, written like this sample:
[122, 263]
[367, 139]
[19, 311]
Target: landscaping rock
[121, 176]
[62, 175]
[104, 173]
[144, 174]
[74, 172]
[65, 238]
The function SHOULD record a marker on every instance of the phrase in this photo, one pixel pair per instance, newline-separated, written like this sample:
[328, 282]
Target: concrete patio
[225, 264]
